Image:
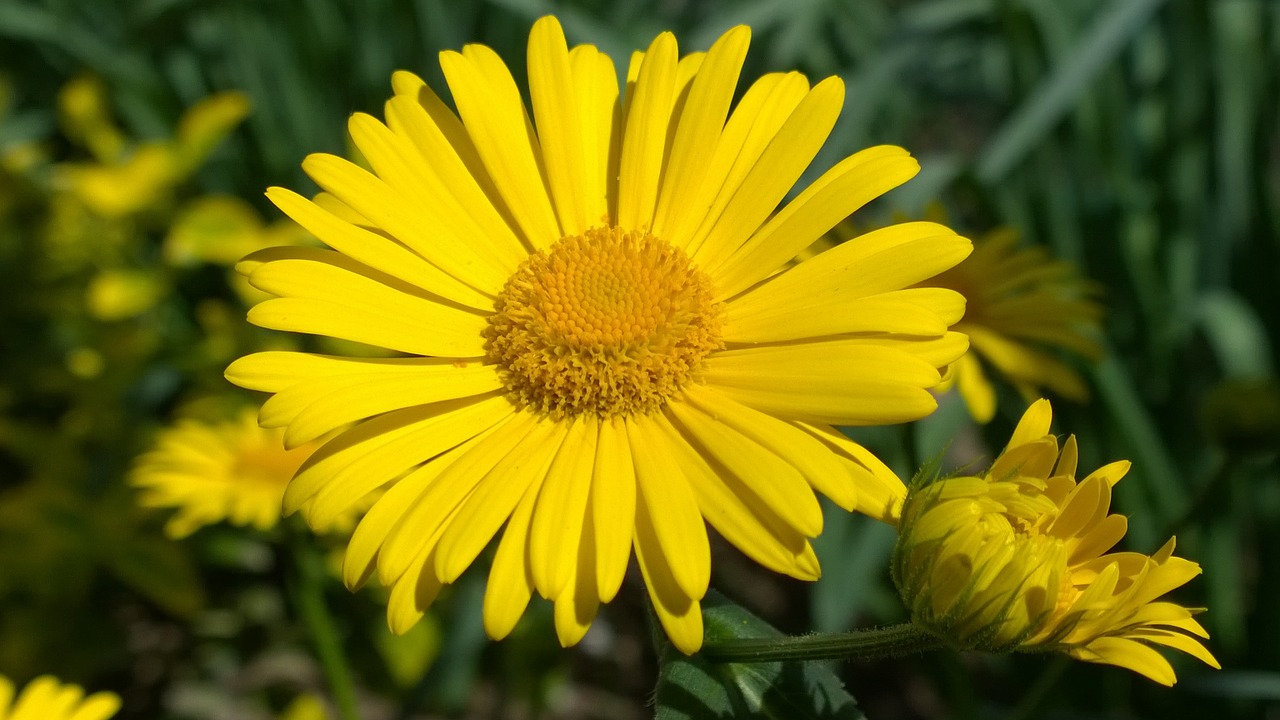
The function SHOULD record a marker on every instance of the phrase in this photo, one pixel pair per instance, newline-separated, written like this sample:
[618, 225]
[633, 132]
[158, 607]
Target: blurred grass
[1139, 139]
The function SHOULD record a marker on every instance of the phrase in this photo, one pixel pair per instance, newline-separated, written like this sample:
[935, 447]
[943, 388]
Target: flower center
[609, 322]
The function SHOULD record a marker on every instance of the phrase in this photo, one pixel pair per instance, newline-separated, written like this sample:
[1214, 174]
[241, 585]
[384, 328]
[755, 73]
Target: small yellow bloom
[122, 294]
[47, 699]
[234, 471]
[1021, 305]
[1017, 560]
[128, 178]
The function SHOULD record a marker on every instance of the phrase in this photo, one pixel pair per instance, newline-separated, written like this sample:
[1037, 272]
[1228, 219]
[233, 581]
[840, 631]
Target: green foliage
[693, 687]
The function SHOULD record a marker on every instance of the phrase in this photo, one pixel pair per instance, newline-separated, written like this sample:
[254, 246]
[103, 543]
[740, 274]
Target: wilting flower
[601, 352]
[231, 470]
[1022, 305]
[1017, 560]
[47, 699]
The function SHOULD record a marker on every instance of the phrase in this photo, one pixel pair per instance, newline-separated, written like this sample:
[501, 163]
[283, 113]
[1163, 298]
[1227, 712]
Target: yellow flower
[126, 180]
[232, 470]
[1021, 305]
[47, 699]
[600, 350]
[1017, 560]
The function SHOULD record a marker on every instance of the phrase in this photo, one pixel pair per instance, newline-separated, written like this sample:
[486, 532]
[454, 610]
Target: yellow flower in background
[1017, 560]
[1022, 305]
[127, 179]
[599, 350]
[45, 698]
[210, 472]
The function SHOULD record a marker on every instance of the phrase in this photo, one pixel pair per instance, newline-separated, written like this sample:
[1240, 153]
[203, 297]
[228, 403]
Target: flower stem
[877, 643]
[308, 598]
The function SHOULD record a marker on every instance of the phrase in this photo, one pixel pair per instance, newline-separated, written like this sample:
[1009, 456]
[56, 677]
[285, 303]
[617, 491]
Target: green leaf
[1060, 91]
[693, 687]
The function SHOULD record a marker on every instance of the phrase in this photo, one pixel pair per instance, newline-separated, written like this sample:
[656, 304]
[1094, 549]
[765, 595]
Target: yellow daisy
[47, 699]
[214, 471]
[1022, 305]
[600, 350]
[1017, 559]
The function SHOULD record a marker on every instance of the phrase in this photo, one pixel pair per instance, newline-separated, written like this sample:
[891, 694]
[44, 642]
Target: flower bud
[1017, 559]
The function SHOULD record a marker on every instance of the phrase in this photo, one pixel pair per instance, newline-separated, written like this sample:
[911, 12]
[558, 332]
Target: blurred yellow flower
[126, 180]
[120, 294]
[1021, 304]
[45, 698]
[213, 471]
[1017, 560]
[601, 356]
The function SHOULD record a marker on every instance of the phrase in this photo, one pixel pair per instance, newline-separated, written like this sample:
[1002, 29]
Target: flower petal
[326, 294]
[840, 382]
[648, 113]
[834, 196]
[376, 251]
[679, 530]
[772, 176]
[562, 509]
[494, 115]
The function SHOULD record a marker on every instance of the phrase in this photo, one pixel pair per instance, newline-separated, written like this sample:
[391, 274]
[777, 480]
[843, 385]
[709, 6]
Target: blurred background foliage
[1138, 139]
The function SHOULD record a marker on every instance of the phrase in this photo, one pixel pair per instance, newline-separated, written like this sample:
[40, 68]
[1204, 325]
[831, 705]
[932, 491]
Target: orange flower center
[609, 322]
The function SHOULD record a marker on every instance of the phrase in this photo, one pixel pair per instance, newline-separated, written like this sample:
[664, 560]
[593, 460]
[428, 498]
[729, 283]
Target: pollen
[610, 322]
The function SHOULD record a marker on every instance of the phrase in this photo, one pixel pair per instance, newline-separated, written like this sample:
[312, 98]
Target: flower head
[1017, 559]
[1022, 305]
[604, 348]
[214, 471]
[47, 699]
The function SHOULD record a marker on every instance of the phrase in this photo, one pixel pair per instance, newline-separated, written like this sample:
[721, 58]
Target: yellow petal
[1128, 654]
[777, 484]
[564, 145]
[311, 409]
[510, 582]
[460, 171]
[423, 524]
[765, 107]
[1033, 425]
[411, 595]
[700, 123]
[495, 497]
[801, 450]
[613, 505]
[679, 531]
[378, 450]
[822, 311]
[847, 272]
[840, 192]
[494, 115]
[879, 491]
[375, 251]
[373, 528]
[455, 241]
[978, 393]
[595, 82]
[838, 382]
[562, 510]
[680, 615]
[577, 603]
[772, 176]
[326, 294]
[648, 114]
[738, 514]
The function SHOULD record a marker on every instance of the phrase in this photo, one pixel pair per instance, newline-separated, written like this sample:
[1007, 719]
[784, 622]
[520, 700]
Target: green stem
[886, 642]
[308, 597]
